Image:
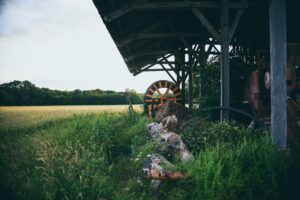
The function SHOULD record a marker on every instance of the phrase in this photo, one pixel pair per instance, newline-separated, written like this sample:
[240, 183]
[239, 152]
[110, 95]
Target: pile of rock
[165, 133]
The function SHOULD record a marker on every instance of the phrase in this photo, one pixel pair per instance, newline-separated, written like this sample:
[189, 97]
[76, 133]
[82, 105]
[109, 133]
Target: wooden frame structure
[175, 35]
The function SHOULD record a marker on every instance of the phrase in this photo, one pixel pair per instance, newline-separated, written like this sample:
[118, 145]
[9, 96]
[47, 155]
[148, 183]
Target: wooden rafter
[151, 65]
[206, 23]
[120, 12]
[170, 75]
[119, 27]
[157, 70]
[147, 29]
[134, 37]
[165, 6]
[165, 59]
[160, 52]
[150, 53]
[236, 21]
[185, 43]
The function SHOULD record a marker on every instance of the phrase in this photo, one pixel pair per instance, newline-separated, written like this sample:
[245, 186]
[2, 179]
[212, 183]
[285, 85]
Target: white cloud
[23, 16]
[62, 44]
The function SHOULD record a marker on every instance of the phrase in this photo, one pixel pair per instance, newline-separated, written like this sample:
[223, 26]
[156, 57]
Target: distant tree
[130, 91]
[26, 93]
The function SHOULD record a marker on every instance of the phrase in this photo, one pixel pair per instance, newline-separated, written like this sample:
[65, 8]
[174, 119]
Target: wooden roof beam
[214, 31]
[156, 6]
[157, 70]
[151, 65]
[236, 21]
[185, 43]
[134, 37]
[147, 29]
[165, 62]
[169, 62]
[211, 29]
[170, 75]
[121, 31]
[161, 52]
[171, 67]
[151, 53]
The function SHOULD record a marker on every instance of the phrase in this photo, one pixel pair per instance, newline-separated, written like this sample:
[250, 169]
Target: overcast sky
[62, 44]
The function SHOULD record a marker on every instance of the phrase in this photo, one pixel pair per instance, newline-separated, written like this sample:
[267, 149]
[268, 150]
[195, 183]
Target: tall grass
[250, 170]
[73, 159]
[100, 156]
[233, 166]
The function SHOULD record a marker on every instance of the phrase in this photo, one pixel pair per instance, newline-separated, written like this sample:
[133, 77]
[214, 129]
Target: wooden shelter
[173, 35]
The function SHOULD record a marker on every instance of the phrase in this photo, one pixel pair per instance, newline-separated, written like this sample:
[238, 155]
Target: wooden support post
[225, 67]
[278, 72]
[183, 74]
[202, 63]
[177, 71]
[183, 84]
[180, 72]
[190, 74]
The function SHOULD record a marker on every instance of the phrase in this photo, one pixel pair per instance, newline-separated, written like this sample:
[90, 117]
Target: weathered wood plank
[278, 72]
[225, 67]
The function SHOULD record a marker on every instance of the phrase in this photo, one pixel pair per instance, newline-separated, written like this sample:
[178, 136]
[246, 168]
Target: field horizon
[26, 116]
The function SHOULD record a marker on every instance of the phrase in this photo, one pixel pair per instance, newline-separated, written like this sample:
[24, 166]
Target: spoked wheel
[159, 93]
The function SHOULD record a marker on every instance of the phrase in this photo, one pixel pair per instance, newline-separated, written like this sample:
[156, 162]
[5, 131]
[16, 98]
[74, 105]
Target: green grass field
[86, 153]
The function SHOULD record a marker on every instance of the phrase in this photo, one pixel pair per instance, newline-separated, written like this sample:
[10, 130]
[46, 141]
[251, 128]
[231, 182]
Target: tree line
[19, 93]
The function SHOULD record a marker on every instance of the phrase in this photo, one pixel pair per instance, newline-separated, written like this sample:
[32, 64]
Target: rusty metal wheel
[159, 92]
